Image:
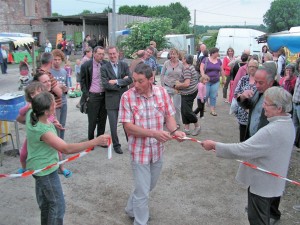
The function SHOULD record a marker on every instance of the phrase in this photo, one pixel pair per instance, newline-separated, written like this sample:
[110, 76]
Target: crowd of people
[262, 98]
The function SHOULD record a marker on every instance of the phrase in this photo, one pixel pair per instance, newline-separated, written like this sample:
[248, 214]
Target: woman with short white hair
[269, 148]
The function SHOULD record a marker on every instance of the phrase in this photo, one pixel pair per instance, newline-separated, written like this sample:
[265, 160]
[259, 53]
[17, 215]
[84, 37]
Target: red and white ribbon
[72, 158]
[246, 163]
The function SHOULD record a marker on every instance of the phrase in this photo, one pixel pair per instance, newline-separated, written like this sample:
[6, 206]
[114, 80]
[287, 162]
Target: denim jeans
[296, 115]
[69, 81]
[212, 92]
[61, 115]
[50, 198]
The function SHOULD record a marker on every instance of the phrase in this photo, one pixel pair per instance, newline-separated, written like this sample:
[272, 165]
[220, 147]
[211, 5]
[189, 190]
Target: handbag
[83, 104]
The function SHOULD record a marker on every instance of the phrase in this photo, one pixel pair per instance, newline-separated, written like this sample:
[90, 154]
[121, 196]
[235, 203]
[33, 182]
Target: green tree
[107, 10]
[282, 15]
[174, 11]
[56, 14]
[144, 32]
[211, 42]
[85, 12]
[133, 10]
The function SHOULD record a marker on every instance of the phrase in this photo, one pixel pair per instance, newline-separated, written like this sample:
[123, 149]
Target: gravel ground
[195, 187]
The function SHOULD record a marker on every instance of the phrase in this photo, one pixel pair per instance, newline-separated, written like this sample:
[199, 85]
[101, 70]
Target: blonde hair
[204, 77]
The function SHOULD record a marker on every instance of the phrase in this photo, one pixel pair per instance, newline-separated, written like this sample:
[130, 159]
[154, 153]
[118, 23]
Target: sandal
[213, 113]
[21, 170]
[67, 173]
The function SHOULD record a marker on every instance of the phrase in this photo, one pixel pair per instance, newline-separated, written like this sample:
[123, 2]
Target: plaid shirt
[148, 113]
[296, 95]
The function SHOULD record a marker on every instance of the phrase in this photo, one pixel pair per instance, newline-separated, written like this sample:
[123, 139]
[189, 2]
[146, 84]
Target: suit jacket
[1, 56]
[86, 75]
[114, 92]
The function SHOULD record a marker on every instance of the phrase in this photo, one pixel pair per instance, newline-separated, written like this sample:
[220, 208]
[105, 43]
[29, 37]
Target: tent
[289, 39]
[18, 39]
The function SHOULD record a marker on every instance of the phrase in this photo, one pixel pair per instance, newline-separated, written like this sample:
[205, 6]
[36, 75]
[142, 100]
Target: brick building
[25, 16]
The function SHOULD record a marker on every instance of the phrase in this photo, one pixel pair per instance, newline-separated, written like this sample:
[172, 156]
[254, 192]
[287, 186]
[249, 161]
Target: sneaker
[187, 132]
[196, 131]
[296, 207]
[202, 117]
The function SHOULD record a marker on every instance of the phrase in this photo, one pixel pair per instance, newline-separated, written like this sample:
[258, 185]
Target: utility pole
[113, 33]
[195, 21]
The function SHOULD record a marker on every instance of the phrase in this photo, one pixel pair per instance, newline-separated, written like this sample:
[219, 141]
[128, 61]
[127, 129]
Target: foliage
[211, 42]
[56, 14]
[174, 11]
[282, 15]
[133, 10]
[107, 10]
[144, 32]
[205, 29]
[85, 12]
[184, 28]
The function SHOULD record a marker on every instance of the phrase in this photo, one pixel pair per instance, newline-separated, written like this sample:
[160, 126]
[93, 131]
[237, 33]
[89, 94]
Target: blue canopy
[289, 39]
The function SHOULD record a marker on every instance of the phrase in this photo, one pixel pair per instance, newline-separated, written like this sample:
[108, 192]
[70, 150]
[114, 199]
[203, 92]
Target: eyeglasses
[253, 67]
[266, 104]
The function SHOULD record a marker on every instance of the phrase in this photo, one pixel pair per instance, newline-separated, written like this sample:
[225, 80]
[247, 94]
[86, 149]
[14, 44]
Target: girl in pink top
[201, 95]
[69, 70]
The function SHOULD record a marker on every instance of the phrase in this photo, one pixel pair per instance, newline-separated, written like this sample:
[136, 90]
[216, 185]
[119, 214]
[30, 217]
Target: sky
[208, 12]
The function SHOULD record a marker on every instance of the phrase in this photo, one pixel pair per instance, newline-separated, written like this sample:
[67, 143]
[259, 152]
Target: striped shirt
[148, 113]
[191, 74]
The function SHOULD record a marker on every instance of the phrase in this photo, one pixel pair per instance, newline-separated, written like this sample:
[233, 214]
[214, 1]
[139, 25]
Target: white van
[239, 39]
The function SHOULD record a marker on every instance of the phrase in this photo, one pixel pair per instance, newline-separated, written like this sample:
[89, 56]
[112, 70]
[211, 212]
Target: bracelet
[174, 131]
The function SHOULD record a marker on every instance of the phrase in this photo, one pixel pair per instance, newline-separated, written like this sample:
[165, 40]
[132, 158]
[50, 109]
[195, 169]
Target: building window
[29, 8]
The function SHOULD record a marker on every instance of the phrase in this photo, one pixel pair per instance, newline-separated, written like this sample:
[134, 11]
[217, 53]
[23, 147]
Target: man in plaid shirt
[143, 111]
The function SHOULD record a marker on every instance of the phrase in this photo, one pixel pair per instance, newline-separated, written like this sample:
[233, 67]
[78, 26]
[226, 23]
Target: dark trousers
[243, 131]
[4, 66]
[113, 123]
[200, 107]
[225, 88]
[97, 114]
[187, 114]
[261, 209]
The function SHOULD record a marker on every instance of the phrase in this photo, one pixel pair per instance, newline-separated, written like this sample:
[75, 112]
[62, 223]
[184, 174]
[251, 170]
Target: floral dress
[241, 114]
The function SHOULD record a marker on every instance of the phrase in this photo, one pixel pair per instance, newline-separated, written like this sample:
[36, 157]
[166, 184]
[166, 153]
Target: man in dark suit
[93, 92]
[115, 79]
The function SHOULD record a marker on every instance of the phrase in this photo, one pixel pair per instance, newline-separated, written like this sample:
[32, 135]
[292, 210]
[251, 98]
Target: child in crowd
[69, 70]
[31, 90]
[43, 144]
[201, 95]
[77, 72]
[25, 59]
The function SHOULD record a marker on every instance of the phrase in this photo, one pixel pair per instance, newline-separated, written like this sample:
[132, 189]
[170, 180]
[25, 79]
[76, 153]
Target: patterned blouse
[241, 114]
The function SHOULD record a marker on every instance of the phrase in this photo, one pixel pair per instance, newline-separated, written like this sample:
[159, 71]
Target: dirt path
[195, 187]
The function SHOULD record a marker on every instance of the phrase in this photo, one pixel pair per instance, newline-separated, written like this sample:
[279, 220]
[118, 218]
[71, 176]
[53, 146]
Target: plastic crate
[10, 104]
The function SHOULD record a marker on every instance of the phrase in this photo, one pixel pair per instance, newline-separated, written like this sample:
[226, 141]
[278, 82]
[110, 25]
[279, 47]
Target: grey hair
[46, 58]
[279, 97]
[189, 59]
[271, 70]
[144, 69]
[268, 56]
